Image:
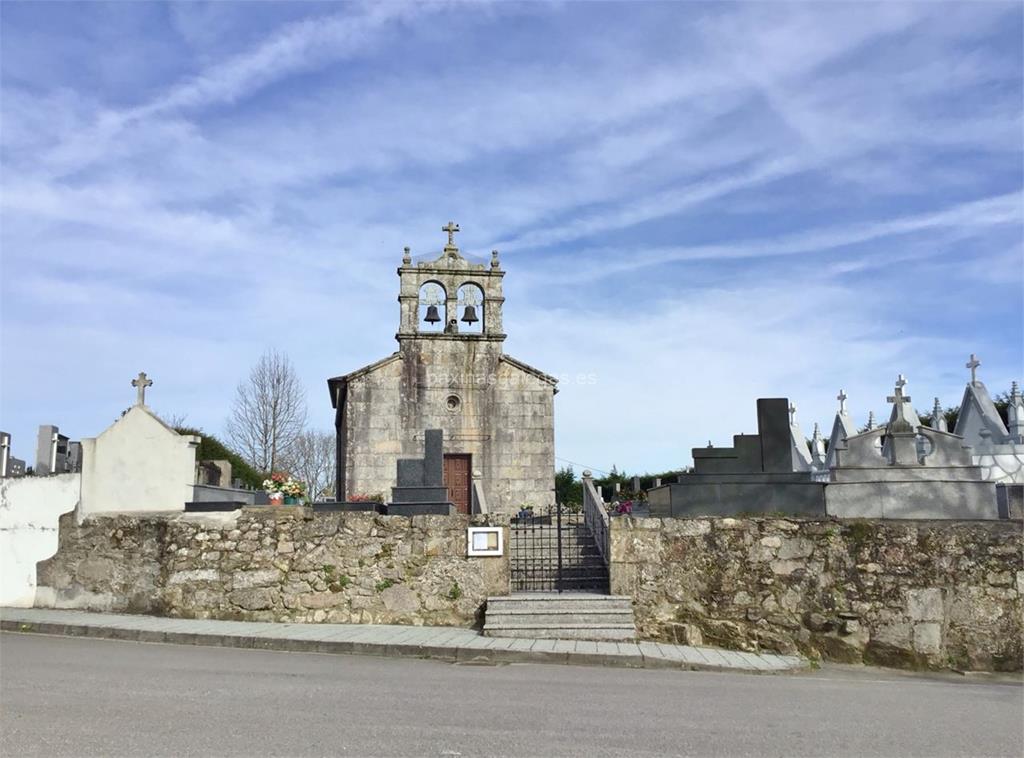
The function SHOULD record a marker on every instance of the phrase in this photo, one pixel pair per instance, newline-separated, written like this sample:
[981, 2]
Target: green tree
[212, 449]
[568, 491]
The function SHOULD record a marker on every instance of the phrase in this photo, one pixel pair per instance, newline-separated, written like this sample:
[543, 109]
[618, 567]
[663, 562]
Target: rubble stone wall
[915, 594]
[274, 564]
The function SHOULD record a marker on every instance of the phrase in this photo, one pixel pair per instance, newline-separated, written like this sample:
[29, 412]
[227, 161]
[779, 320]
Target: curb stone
[459, 646]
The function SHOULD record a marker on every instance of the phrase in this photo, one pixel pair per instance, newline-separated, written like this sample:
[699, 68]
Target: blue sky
[696, 204]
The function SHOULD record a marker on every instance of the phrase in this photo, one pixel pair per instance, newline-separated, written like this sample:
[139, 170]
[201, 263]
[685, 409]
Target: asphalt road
[81, 697]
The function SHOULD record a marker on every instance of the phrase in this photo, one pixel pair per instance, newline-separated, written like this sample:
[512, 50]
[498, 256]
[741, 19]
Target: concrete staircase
[564, 616]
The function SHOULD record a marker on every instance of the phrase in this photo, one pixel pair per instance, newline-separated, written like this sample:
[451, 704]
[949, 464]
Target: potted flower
[525, 511]
[294, 491]
[275, 488]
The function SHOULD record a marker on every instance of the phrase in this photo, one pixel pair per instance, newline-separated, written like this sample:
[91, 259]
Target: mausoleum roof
[977, 411]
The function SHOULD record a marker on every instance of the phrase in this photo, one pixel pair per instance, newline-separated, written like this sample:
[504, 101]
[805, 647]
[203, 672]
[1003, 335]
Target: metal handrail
[596, 517]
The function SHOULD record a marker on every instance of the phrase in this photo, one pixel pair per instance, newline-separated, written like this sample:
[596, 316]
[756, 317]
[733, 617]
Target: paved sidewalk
[438, 642]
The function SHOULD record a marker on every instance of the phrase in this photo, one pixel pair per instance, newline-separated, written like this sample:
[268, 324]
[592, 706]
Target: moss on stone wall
[895, 593]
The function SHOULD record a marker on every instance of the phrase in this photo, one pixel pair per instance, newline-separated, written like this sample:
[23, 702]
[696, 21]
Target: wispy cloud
[691, 200]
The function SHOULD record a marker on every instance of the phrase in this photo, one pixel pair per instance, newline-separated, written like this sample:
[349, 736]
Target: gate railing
[596, 517]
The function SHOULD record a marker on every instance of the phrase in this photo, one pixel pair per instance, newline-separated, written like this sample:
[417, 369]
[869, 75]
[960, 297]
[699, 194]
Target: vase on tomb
[276, 498]
[289, 500]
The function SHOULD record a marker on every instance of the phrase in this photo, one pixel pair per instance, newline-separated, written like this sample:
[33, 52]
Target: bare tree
[311, 460]
[269, 412]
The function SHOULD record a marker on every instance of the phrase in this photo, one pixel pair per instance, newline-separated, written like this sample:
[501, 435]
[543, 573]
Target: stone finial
[587, 474]
[973, 364]
[494, 259]
[841, 397]
[939, 418]
[817, 448]
[406, 255]
[140, 383]
[1015, 414]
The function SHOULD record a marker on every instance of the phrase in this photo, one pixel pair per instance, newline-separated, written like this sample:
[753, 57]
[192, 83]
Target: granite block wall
[274, 564]
[916, 594]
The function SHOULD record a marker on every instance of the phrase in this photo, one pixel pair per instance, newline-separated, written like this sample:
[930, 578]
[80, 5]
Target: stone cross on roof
[841, 397]
[451, 227]
[140, 383]
[898, 398]
[973, 364]
[792, 413]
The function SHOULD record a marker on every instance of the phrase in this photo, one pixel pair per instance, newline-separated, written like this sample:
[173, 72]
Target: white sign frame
[481, 544]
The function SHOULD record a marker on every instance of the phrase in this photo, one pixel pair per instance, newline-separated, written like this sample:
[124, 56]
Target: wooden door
[458, 481]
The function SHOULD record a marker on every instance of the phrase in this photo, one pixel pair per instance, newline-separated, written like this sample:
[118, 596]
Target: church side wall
[374, 432]
[523, 463]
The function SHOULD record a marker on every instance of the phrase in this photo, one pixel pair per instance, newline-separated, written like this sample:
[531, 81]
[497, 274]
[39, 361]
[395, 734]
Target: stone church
[449, 373]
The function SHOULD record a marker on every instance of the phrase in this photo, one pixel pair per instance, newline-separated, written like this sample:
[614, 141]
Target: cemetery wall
[274, 564]
[30, 507]
[915, 594]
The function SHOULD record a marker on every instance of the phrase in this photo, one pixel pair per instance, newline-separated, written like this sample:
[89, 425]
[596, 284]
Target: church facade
[450, 373]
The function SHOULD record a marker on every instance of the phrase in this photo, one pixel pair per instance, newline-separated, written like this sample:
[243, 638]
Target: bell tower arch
[472, 296]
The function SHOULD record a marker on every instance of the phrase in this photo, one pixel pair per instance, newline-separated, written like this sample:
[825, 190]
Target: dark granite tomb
[421, 490]
[756, 475]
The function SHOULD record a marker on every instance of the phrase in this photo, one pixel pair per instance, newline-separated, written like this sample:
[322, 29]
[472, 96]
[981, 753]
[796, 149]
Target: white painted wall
[30, 508]
[1004, 465]
[137, 464]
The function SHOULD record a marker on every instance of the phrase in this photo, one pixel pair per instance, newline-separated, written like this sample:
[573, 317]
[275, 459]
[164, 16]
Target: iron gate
[555, 552]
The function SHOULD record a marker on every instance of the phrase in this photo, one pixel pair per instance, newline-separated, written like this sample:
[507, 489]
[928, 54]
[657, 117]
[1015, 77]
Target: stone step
[564, 618]
[555, 602]
[566, 559]
[600, 634]
[577, 616]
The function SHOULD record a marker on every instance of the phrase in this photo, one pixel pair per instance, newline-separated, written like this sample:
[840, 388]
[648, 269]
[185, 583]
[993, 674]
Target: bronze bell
[432, 315]
[469, 315]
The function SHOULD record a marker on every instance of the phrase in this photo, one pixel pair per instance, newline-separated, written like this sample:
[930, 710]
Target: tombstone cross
[973, 364]
[792, 413]
[140, 383]
[451, 227]
[898, 397]
[841, 397]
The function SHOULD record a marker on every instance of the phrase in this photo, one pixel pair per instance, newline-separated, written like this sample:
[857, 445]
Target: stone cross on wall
[898, 397]
[841, 397]
[140, 383]
[451, 227]
[973, 364]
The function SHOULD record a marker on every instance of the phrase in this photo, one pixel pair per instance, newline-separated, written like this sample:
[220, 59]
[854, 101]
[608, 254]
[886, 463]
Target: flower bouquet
[275, 488]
